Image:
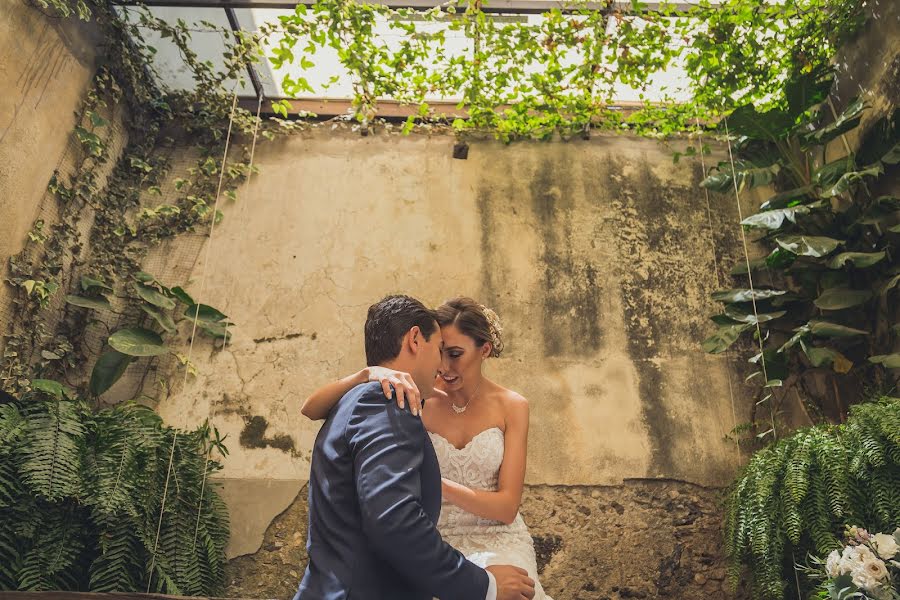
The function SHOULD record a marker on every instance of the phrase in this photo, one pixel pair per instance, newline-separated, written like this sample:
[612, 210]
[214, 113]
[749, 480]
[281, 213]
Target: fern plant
[81, 496]
[797, 495]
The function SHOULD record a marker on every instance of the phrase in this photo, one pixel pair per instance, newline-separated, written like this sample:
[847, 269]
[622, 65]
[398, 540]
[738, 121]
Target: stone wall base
[641, 539]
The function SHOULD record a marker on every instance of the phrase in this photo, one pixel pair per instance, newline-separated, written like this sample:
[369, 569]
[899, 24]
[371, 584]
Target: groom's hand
[513, 583]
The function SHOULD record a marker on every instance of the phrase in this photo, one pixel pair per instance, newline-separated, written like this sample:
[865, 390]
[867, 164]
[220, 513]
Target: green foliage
[520, 79]
[80, 500]
[104, 290]
[797, 495]
[81, 488]
[534, 79]
[65, 8]
[829, 281]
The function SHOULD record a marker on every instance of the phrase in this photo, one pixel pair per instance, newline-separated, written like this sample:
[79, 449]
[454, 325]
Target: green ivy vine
[521, 80]
[85, 500]
[106, 286]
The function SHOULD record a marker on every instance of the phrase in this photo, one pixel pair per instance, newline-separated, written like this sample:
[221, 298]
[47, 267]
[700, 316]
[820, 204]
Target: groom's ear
[412, 339]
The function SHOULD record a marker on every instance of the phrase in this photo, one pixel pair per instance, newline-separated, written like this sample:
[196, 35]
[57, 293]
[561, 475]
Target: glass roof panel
[208, 44]
[327, 77]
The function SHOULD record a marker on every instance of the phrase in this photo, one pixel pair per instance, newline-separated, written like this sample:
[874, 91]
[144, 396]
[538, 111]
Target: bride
[479, 430]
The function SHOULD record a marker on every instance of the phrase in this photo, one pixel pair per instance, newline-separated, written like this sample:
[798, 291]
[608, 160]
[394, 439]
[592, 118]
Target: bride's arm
[502, 505]
[321, 401]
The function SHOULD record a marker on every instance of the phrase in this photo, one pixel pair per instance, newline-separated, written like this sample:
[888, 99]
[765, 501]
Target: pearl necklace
[461, 409]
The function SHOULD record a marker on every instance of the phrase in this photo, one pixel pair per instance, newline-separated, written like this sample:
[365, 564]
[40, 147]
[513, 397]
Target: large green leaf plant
[823, 295]
[159, 315]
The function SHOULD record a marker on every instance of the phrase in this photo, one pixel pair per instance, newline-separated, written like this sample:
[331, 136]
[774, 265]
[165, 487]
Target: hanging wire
[227, 323]
[796, 573]
[737, 198]
[718, 282]
[762, 358]
[212, 224]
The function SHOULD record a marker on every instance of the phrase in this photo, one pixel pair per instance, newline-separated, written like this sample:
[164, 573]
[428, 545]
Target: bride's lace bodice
[483, 541]
[477, 465]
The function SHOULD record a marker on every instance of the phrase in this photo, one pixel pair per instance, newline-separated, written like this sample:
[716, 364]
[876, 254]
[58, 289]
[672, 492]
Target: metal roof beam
[254, 78]
[389, 109]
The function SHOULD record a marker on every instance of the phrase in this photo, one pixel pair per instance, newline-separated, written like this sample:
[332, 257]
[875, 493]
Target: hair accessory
[496, 330]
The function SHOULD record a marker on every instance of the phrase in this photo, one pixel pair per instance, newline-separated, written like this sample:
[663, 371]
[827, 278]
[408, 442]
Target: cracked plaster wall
[598, 256]
[47, 65]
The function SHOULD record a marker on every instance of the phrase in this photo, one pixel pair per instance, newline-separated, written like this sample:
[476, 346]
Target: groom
[375, 486]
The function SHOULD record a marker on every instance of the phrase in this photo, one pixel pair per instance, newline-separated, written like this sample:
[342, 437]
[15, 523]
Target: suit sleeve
[387, 445]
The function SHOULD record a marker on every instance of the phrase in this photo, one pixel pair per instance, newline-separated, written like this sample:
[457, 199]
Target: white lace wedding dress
[482, 541]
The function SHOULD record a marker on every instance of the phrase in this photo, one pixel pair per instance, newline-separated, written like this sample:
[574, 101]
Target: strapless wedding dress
[482, 541]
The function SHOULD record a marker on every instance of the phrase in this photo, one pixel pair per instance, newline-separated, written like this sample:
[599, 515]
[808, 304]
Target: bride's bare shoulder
[510, 400]
[515, 409]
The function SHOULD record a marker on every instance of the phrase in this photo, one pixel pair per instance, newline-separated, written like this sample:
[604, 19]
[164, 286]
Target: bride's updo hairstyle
[474, 320]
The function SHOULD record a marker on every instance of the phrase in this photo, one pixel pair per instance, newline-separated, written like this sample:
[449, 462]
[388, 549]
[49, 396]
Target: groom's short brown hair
[388, 321]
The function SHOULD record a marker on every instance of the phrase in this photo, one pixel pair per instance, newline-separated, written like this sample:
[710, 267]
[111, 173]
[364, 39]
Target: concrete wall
[47, 65]
[599, 258]
[870, 65]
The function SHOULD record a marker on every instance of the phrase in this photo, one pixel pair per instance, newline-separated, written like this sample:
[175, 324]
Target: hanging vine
[84, 500]
[535, 79]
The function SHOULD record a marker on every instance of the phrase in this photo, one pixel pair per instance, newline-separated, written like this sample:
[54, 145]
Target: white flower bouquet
[867, 567]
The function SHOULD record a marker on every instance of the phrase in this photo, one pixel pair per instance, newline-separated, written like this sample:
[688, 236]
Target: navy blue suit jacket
[374, 499]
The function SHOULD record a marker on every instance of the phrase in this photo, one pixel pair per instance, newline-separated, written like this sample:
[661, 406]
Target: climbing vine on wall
[85, 495]
[519, 80]
[105, 286]
[560, 75]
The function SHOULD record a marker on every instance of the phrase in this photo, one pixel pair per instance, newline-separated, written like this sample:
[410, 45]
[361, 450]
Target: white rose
[833, 564]
[864, 553]
[877, 569]
[886, 545]
[869, 574]
[863, 580]
[852, 557]
[848, 560]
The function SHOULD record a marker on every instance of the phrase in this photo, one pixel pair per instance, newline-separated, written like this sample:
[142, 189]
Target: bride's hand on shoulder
[402, 383]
